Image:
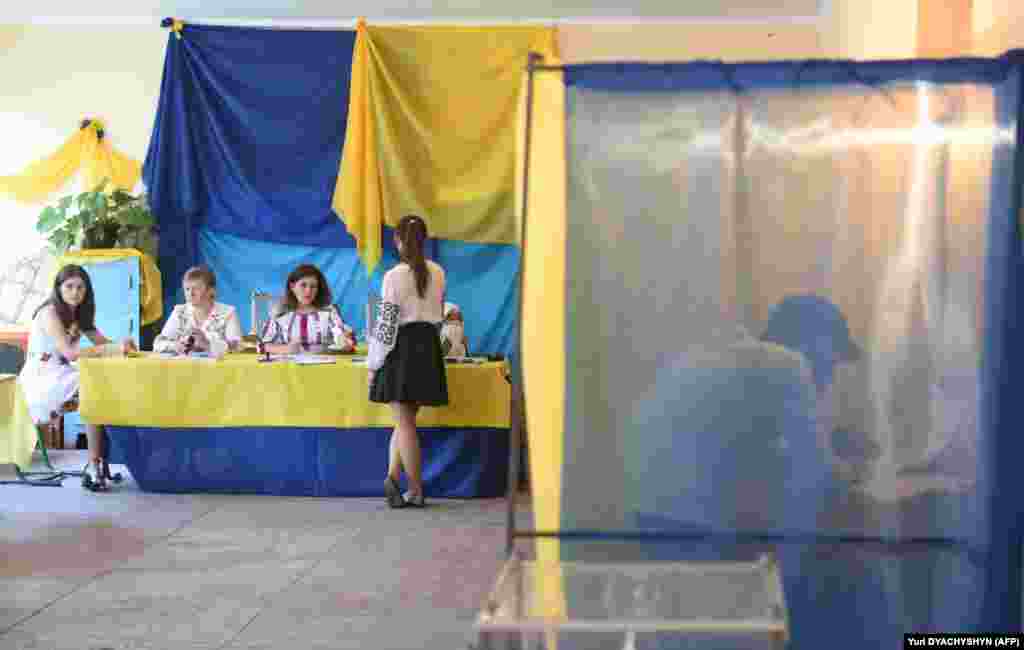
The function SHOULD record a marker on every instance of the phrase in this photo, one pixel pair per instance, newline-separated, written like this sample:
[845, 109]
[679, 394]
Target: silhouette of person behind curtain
[762, 429]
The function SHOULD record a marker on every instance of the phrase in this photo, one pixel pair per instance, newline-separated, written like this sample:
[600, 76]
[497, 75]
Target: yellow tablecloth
[17, 433]
[238, 391]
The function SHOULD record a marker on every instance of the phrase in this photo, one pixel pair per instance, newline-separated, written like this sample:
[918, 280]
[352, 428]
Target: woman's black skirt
[414, 369]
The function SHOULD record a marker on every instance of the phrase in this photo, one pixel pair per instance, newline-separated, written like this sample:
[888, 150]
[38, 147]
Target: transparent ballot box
[631, 606]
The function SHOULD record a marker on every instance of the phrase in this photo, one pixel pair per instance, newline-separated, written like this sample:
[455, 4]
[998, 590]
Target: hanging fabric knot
[96, 126]
[174, 24]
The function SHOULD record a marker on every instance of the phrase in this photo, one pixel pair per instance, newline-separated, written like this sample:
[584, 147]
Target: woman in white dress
[201, 324]
[308, 322]
[50, 378]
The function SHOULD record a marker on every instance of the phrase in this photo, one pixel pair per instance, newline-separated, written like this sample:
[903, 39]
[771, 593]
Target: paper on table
[202, 356]
[312, 359]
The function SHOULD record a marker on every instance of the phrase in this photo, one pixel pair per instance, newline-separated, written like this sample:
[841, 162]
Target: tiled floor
[131, 570]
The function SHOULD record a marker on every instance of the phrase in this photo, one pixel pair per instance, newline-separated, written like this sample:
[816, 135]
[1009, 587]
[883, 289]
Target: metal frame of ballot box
[709, 598]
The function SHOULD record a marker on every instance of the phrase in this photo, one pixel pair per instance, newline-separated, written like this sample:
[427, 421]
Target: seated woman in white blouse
[201, 324]
[453, 332]
[308, 321]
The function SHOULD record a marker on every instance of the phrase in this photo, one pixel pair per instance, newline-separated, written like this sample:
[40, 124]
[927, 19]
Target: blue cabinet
[116, 288]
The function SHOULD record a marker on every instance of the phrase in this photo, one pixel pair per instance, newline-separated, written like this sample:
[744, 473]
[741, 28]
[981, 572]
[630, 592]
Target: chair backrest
[12, 359]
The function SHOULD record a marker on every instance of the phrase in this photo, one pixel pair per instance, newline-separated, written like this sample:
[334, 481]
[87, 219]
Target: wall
[998, 26]
[53, 76]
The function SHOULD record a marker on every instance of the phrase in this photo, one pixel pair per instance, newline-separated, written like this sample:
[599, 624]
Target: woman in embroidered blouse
[49, 379]
[405, 358]
[212, 326]
[309, 321]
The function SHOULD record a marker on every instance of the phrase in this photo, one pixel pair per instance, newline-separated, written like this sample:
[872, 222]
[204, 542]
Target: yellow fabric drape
[431, 131]
[238, 391]
[17, 432]
[543, 322]
[150, 289]
[84, 150]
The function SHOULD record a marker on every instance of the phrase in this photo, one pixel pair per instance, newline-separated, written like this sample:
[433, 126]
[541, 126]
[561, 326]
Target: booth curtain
[784, 325]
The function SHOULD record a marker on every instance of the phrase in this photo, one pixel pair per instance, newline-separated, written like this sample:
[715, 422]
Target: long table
[239, 425]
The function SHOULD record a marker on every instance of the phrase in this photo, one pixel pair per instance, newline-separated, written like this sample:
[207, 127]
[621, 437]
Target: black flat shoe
[393, 495]
[415, 501]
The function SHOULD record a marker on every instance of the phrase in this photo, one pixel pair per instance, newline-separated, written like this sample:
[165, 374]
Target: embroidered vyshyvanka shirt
[221, 327]
[401, 304]
[321, 328]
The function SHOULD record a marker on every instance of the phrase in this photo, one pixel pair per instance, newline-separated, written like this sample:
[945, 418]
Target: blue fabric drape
[247, 139]
[481, 280]
[296, 461]
[967, 579]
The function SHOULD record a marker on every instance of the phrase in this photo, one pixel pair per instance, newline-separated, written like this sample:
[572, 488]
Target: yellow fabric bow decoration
[87, 150]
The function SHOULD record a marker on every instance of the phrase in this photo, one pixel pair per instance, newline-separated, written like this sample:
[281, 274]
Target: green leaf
[49, 219]
[120, 198]
[77, 221]
[136, 216]
[65, 203]
[100, 206]
[85, 200]
[85, 217]
[61, 240]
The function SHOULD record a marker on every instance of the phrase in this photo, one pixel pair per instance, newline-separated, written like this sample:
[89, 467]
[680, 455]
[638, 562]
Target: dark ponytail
[412, 232]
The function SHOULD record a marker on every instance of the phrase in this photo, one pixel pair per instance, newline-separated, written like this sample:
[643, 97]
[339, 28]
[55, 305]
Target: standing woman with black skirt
[405, 359]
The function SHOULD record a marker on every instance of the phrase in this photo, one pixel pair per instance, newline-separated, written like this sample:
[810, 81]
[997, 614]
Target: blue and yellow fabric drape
[432, 122]
[87, 150]
[243, 181]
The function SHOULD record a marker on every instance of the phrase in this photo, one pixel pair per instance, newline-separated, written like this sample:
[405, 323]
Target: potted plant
[99, 219]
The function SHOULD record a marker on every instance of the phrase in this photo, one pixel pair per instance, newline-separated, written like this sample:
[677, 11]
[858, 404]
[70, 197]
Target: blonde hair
[201, 274]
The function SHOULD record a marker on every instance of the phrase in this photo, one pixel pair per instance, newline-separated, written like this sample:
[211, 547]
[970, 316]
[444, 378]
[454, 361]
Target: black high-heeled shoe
[93, 477]
[115, 478]
[393, 495]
